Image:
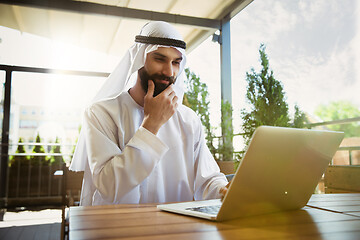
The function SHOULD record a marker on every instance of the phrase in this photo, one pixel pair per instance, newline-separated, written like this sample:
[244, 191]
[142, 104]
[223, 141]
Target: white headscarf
[120, 79]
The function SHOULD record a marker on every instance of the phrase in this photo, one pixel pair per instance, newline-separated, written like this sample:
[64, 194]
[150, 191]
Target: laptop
[280, 171]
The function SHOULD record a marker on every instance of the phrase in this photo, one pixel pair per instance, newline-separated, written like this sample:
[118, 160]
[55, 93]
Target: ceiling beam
[233, 9]
[18, 18]
[95, 8]
[227, 14]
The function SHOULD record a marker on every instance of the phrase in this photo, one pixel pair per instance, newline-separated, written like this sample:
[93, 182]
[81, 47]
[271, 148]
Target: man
[140, 144]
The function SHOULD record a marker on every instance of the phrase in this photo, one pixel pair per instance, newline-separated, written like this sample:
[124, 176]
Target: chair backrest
[73, 186]
[342, 179]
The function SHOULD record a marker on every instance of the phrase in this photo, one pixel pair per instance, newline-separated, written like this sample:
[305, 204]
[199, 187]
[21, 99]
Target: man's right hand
[158, 110]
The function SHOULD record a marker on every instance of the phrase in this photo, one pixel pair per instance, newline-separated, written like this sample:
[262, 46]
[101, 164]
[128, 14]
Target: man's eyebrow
[159, 55]
[163, 56]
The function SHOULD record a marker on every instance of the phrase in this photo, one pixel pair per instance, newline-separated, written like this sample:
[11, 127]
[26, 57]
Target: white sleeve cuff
[146, 140]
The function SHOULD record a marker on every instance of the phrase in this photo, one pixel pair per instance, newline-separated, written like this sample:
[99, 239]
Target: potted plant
[226, 149]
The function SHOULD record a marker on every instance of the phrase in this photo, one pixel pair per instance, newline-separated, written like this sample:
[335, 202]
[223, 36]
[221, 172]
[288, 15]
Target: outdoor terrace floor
[34, 224]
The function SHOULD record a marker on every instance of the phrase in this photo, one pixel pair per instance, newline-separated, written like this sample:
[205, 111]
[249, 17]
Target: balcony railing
[6, 101]
[33, 179]
[350, 150]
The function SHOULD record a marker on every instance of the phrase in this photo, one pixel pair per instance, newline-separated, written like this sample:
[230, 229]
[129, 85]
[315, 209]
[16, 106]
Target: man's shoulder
[109, 102]
[105, 107]
[187, 114]
[187, 111]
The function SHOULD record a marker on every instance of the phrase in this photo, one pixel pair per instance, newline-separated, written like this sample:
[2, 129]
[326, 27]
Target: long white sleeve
[116, 172]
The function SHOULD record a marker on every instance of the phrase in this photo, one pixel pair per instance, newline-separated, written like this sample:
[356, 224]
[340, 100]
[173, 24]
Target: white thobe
[129, 164]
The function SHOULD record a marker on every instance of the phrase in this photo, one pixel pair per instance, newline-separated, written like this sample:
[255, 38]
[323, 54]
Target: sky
[312, 47]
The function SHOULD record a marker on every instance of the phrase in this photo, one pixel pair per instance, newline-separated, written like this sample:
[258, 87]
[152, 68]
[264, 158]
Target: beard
[159, 87]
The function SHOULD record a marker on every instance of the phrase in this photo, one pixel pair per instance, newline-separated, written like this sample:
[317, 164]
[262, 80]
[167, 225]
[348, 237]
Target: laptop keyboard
[206, 209]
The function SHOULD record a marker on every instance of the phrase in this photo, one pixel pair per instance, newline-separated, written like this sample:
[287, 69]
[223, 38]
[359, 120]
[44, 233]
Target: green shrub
[19, 160]
[56, 160]
[39, 160]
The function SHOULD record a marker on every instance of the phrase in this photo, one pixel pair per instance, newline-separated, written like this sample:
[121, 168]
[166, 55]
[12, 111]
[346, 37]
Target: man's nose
[168, 70]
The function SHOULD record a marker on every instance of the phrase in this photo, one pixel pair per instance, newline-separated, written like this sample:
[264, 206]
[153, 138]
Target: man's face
[162, 67]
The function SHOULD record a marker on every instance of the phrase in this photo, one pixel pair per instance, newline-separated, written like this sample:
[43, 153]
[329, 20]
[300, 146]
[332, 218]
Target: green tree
[22, 160]
[196, 98]
[39, 160]
[337, 111]
[56, 160]
[299, 118]
[226, 148]
[266, 97]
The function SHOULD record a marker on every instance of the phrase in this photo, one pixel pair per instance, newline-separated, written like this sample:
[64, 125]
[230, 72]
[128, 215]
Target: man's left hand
[224, 190]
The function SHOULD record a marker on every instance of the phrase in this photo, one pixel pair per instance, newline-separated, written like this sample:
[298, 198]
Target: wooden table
[327, 216]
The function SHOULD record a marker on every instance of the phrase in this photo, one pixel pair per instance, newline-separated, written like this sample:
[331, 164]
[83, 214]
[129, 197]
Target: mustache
[163, 77]
[159, 86]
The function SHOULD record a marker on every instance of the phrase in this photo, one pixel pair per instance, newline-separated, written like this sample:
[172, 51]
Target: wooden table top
[326, 216]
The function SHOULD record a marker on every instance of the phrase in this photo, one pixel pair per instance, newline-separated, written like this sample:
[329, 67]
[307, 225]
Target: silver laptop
[280, 171]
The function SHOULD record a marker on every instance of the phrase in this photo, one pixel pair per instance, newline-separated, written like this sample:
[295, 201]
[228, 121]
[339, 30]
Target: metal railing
[341, 121]
[33, 179]
[6, 101]
[350, 149]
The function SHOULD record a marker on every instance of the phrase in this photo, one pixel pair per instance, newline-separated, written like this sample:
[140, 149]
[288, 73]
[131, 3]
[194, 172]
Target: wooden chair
[73, 187]
[342, 179]
[229, 177]
[71, 197]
